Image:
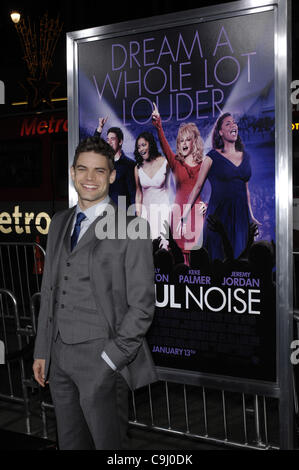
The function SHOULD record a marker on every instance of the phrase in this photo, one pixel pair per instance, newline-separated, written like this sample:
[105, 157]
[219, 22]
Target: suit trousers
[90, 399]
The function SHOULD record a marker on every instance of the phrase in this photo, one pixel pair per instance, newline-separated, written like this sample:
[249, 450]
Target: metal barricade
[219, 417]
[215, 415]
[21, 267]
[208, 413]
[18, 337]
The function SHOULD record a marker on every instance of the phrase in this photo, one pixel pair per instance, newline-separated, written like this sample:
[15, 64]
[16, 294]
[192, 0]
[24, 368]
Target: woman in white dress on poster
[151, 176]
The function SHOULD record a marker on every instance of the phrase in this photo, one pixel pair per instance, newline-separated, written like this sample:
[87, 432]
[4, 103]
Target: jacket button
[50, 320]
[62, 305]
[65, 278]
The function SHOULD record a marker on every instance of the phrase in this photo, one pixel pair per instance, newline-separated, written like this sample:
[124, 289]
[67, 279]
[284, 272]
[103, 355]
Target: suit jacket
[122, 278]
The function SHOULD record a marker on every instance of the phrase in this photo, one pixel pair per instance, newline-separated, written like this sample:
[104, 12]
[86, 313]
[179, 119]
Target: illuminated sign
[34, 126]
[12, 222]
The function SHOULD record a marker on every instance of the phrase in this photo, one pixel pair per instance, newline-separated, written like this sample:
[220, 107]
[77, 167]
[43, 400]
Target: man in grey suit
[97, 303]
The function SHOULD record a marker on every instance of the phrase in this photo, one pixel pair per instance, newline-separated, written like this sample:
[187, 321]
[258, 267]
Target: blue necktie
[75, 235]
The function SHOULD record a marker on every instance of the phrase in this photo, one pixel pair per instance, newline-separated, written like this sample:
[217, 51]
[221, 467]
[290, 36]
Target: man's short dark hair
[97, 145]
[117, 131]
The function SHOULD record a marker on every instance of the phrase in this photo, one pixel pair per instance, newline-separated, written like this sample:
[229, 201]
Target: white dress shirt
[91, 214]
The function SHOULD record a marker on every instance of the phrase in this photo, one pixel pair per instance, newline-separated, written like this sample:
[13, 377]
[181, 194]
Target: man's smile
[89, 186]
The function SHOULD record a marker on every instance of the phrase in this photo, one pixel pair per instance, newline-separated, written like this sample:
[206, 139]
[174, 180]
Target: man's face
[91, 177]
[112, 140]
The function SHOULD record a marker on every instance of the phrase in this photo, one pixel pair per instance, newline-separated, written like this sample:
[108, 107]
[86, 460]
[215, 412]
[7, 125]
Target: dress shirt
[91, 214]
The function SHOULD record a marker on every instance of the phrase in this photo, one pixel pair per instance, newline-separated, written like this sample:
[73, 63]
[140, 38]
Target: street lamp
[15, 17]
[38, 48]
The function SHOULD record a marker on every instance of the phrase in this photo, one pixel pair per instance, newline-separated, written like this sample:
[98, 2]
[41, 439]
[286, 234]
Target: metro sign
[35, 126]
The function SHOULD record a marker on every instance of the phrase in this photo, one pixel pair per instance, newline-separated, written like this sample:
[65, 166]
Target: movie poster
[210, 196]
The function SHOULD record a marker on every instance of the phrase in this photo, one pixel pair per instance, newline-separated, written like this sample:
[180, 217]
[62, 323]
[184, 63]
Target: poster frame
[283, 387]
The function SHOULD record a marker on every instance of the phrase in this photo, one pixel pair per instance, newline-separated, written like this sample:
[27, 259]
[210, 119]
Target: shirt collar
[94, 211]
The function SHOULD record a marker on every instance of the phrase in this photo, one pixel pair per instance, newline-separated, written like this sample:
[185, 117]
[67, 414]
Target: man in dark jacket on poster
[124, 184]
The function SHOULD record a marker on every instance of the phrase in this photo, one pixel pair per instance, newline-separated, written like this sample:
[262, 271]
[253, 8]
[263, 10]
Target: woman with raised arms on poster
[185, 165]
[227, 166]
[151, 176]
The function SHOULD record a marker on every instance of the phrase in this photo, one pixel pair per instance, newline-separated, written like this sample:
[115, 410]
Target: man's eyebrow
[96, 168]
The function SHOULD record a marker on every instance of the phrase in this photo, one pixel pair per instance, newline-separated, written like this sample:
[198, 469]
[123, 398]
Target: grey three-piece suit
[99, 297]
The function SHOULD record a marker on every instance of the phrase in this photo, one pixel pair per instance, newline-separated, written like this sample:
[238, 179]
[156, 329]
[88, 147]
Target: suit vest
[76, 317]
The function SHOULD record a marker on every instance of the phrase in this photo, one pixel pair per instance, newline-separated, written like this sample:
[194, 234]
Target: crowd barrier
[210, 413]
[21, 268]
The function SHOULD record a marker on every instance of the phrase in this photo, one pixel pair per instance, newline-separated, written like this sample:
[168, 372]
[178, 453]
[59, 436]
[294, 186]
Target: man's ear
[112, 176]
[72, 171]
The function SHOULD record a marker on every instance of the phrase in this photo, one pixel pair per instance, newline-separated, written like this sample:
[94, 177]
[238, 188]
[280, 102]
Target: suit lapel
[95, 262]
[89, 236]
[61, 237]
[90, 233]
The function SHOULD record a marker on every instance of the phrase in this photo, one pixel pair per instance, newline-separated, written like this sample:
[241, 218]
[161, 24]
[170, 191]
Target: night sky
[80, 15]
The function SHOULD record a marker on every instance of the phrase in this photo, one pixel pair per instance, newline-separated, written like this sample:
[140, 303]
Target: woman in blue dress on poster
[227, 166]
